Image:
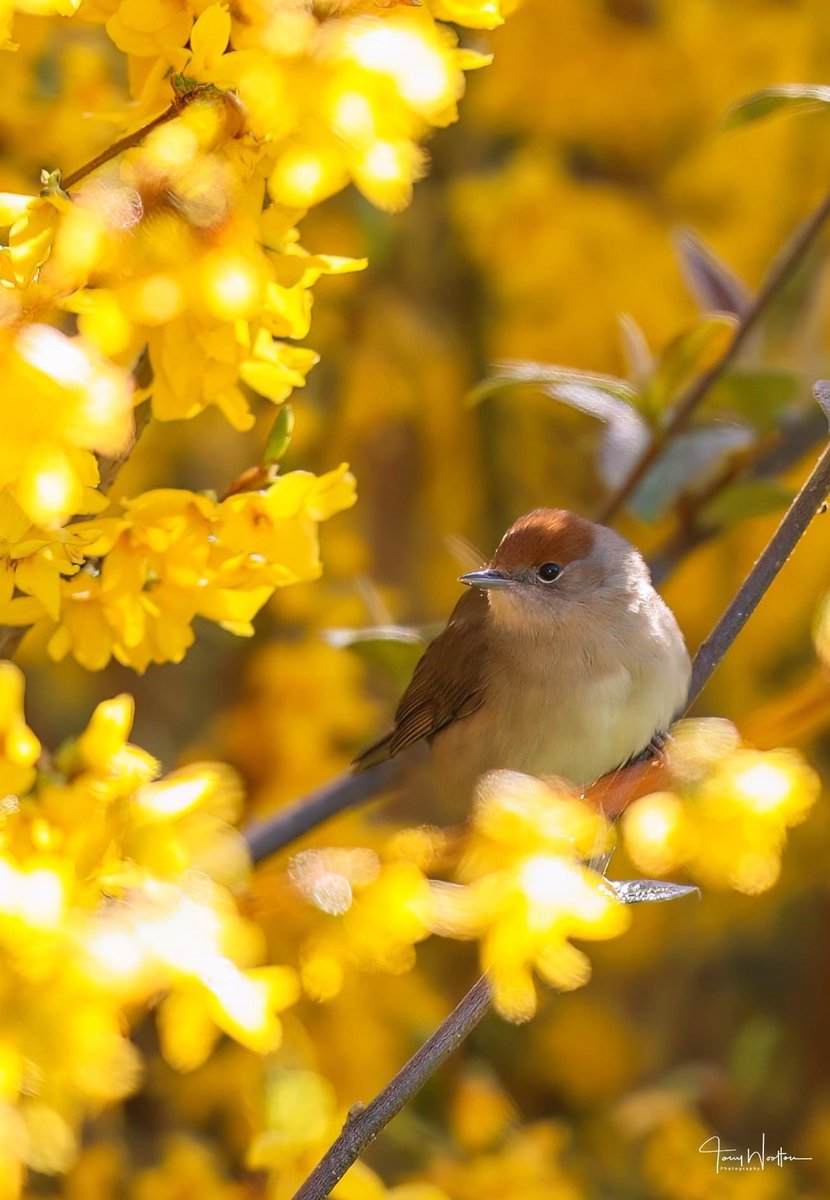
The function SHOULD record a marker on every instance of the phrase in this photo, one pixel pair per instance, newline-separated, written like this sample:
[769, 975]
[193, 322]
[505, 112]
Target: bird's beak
[486, 579]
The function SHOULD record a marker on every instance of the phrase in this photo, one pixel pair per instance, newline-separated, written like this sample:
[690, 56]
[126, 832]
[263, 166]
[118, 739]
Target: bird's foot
[654, 749]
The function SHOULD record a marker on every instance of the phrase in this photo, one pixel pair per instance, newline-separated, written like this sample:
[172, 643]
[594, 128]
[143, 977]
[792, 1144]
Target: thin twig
[109, 468]
[367, 1123]
[796, 438]
[347, 791]
[758, 581]
[778, 275]
[364, 1125]
[179, 102]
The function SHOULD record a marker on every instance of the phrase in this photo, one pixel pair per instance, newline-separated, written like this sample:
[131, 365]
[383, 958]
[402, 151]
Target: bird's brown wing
[446, 686]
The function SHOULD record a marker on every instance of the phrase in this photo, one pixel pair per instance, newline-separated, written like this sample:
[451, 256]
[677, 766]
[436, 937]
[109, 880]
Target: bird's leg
[613, 787]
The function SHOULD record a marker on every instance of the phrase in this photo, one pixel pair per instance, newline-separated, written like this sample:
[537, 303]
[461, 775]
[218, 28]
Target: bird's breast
[555, 712]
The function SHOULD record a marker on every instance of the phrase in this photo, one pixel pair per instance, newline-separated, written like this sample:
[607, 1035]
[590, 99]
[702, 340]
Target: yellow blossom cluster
[68, 402]
[66, 406]
[175, 255]
[525, 891]
[173, 556]
[726, 817]
[336, 91]
[178, 243]
[170, 249]
[383, 910]
[115, 887]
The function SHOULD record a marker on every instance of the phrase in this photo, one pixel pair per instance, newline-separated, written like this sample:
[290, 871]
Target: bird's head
[552, 562]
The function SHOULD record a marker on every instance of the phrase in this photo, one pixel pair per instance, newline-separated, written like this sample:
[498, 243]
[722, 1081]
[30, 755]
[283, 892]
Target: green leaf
[714, 286]
[607, 399]
[638, 357]
[757, 397]
[391, 650]
[787, 97]
[512, 372]
[689, 354]
[689, 461]
[279, 438]
[745, 499]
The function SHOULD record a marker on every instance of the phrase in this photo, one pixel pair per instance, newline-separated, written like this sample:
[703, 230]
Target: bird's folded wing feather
[448, 683]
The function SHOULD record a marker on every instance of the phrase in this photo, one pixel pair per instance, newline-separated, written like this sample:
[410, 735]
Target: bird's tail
[378, 752]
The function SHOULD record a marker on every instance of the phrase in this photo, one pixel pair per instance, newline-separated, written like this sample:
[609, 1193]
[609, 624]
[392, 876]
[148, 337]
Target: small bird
[561, 659]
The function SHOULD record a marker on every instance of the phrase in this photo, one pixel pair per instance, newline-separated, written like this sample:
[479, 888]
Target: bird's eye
[548, 572]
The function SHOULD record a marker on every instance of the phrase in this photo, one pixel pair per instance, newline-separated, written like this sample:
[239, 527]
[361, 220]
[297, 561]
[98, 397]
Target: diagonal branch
[766, 461]
[266, 837]
[779, 274]
[365, 1124]
[185, 92]
[758, 581]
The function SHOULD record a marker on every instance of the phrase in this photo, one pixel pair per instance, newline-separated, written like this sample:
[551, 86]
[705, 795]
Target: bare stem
[779, 273]
[175, 108]
[765, 462]
[347, 791]
[365, 1125]
[110, 468]
[757, 583]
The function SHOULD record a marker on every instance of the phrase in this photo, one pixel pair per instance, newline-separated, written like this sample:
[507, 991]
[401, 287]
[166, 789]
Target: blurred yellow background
[550, 211]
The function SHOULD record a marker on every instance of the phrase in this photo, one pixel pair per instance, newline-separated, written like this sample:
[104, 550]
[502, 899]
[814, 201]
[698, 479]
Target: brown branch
[179, 102]
[778, 275]
[367, 1123]
[760, 578]
[764, 461]
[364, 1125]
[347, 791]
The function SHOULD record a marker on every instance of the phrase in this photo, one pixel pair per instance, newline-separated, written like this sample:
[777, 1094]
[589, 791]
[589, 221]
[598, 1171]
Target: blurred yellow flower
[727, 820]
[114, 890]
[527, 893]
[175, 555]
[20, 747]
[529, 1165]
[61, 401]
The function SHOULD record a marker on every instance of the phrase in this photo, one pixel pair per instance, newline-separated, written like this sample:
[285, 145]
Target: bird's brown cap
[545, 535]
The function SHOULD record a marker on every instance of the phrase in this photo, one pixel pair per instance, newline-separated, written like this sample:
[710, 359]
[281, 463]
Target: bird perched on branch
[561, 659]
